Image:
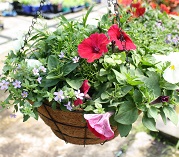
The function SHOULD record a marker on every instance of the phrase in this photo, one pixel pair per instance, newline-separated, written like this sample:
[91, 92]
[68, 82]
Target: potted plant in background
[75, 5]
[90, 83]
[56, 6]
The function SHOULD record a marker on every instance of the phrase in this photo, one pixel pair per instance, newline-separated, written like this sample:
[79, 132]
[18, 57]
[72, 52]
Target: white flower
[172, 57]
[59, 96]
[43, 69]
[32, 63]
[79, 95]
[19, 42]
[75, 59]
[171, 74]
[35, 71]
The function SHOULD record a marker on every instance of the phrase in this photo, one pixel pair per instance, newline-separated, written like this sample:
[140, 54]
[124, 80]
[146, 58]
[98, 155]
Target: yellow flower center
[172, 67]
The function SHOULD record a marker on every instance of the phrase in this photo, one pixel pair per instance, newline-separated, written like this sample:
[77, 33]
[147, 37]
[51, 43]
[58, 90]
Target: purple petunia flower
[59, 96]
[160, 99]
[17, 84]
[4, 85]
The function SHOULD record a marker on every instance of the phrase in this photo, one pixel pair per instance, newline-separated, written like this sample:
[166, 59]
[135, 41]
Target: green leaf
[68, 68]
[89, 108]
[75, 83]
[119, 76]
[127, 113]
[152, 82]
[52, 62]
[149, 123]
[164, 118]
[49, 83]
[86, 16]
[53, 77]
[170, 86]
[104, 96]
[126, 89]
[54, 105]
[37, 104]
[153, 112]
[171, 114]
[124, 129]
[103, 72]
[25, 117]
[137, 96]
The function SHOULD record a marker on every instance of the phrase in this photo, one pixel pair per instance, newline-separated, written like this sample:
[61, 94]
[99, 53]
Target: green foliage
[121, 82]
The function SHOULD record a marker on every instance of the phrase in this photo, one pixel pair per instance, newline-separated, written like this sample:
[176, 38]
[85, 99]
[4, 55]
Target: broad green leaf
[124, 90]
[170, 86]
[52, 62]
[75, 83]
[25, 117]
[52, 76]
[104, 96]
[124, 129]
[152, 82]
[68, 68]
[37, 104]
[54, 105]
[171, 114]
[119, 77]
[137, 96]
[49, 83]
[164, 118]
[127, 113]
[149, 123]
[102, 72]
[89, 108]
[153, 112]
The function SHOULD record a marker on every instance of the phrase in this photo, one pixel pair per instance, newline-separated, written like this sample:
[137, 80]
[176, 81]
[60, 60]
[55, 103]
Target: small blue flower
[17, 84]
[59, 96]
[68, 106]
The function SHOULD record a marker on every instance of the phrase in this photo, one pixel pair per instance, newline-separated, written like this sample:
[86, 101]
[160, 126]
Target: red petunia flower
[84, 89]
[138, 10]
[93, 47]
[124, 2]
[164, 8]
[153, 5]
[174, 13]
[78, 102]
[136, 5]
[116, 35]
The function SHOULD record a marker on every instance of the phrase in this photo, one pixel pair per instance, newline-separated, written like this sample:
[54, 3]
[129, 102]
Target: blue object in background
[9, 13]
[27, 9]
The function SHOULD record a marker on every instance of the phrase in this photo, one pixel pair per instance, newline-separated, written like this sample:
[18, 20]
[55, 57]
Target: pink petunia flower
[99, 125]
[94, 47]
[121, 38]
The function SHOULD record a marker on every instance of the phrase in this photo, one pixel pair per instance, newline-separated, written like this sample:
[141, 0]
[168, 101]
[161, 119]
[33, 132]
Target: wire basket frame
[70, 126]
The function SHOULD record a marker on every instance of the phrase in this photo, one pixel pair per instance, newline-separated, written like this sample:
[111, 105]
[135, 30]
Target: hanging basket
[70, 126]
